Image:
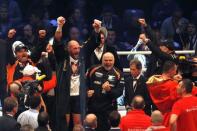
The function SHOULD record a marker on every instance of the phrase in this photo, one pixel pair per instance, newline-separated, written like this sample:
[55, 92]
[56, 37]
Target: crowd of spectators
[34, 42]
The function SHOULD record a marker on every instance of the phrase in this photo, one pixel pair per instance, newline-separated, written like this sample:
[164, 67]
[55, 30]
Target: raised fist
[142, 22]
[11, 33]
[96, 25]
[177, 77]
[42, 33]
[61, 21]
[44, 54]
[143, 38]
[49, 48]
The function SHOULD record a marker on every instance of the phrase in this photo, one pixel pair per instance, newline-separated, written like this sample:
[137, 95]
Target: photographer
[24, 57]
[192, 71]
[22, 91]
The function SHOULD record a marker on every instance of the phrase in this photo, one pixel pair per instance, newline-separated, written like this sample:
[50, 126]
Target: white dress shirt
[29, 117]
[98, 52]
[74, 81]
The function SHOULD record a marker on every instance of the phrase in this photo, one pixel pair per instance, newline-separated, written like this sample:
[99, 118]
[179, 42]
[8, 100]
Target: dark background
[93, 7]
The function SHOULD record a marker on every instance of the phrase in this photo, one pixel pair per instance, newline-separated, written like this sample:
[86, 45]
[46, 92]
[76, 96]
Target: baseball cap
[17, 46]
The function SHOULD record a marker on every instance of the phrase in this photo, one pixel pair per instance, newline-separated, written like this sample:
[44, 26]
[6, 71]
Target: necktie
[134, 85]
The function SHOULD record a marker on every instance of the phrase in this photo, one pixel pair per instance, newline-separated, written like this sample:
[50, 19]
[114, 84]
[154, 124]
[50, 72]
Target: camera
[31, 87]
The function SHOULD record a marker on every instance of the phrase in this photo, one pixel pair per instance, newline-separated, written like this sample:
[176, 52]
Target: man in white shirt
[30, 116]
[135, 84]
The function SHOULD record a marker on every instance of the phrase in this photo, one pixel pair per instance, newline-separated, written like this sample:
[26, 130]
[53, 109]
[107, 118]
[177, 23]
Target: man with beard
[24, 57]
[70, 96]
[105, 84]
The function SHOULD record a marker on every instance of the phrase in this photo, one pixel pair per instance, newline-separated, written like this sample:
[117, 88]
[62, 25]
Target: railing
[148, 53]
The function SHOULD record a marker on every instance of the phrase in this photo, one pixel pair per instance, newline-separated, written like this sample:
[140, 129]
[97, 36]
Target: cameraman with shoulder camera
[23, 91]
[23, 58]
[193, 71]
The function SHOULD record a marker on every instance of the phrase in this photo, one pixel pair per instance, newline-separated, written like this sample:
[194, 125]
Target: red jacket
[163, 94]
[135, 119]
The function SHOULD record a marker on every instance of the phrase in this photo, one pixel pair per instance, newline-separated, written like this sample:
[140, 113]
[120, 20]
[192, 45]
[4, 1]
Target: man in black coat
[71, 89]
[7, 121]
[162, 50]
[105, 84]
[136, 85]
[95, 57]
[3, 81]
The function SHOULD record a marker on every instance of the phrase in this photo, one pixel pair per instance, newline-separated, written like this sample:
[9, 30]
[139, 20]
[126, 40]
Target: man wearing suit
[7, 121]
[96, 56]
[136, 85]
[105, 84]
[71, 92]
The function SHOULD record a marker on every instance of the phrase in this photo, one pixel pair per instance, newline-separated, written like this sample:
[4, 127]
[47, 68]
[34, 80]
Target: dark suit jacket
[8, 123]
[141, 89]
[94, 61]
[158, 57]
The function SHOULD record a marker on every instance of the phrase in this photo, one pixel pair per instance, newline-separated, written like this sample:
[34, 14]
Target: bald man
[136, 119]
[157, 120]
[71, 92]
[105, 84]
[90, 122]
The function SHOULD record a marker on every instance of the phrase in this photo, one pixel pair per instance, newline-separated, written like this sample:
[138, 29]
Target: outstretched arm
[58, 46]
[156, 50]
[94, 39]
[42, 42]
